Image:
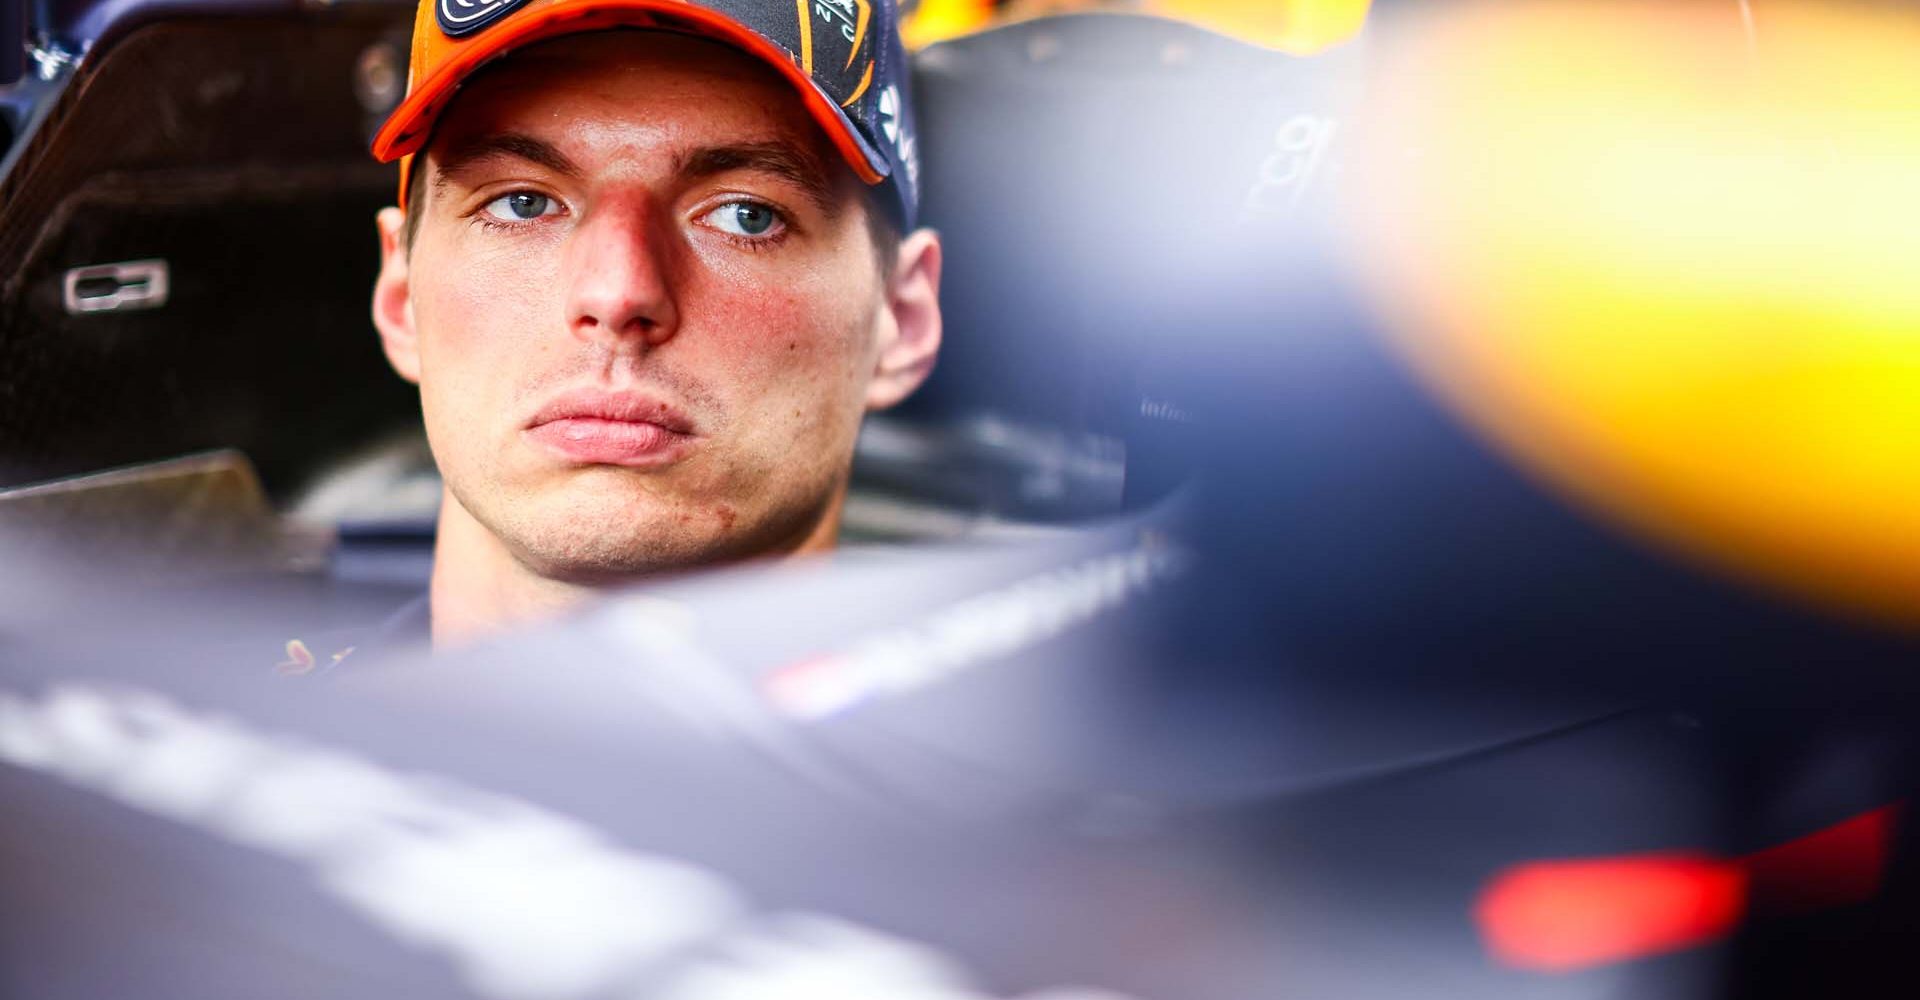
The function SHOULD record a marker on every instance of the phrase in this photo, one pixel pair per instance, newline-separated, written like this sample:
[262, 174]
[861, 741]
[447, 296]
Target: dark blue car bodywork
[1323, 676]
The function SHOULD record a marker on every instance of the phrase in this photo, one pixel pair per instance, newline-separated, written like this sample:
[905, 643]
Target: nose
[620, 288]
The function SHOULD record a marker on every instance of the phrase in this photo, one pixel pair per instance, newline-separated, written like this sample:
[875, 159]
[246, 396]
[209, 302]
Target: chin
[611, 556]
[600, 529]
[597, 538]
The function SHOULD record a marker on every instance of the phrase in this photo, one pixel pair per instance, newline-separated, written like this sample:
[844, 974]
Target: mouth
[601, 427]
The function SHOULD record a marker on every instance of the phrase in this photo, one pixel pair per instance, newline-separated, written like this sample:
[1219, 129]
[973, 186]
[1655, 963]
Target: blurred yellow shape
[1298, 27]
[1674, 267]
[938, 20]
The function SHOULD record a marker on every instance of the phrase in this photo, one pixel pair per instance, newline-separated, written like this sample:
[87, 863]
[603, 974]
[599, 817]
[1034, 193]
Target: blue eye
[744, 218]
[520, 206]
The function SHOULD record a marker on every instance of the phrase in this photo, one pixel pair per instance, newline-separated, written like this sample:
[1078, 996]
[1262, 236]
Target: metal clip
[133, 284]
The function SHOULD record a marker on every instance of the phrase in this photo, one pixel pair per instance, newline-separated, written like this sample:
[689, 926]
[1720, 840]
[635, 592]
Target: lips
[597, 427]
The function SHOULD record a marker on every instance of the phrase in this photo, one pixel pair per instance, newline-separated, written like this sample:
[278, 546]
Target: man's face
[643, 305]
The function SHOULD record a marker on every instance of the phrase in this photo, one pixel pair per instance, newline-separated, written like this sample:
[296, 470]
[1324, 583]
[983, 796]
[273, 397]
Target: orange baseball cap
[843, 57]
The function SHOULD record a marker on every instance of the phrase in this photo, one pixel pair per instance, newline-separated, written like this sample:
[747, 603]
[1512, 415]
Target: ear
[910, 334]
[393, 296]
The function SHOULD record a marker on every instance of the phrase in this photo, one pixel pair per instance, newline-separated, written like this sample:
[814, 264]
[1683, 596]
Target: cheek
[473, 320]
[803, 367]
[466, 298]
[800, 332]
[482, 295]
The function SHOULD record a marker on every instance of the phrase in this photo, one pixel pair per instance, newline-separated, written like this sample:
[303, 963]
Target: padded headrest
[250, 185]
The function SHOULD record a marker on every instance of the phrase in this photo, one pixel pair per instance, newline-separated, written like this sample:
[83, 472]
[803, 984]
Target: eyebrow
[515, 145]
[781, 159]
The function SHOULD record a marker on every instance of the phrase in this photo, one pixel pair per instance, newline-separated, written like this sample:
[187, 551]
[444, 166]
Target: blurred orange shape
[1670, 266]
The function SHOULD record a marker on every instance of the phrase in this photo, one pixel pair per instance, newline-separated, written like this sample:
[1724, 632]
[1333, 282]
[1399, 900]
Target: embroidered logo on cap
[460, 17]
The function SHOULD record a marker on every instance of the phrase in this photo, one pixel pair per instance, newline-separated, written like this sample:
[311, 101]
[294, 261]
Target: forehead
[634, 87]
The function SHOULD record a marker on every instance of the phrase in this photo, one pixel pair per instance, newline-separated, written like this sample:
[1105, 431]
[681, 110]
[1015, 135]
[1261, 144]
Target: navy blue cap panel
[852, 50]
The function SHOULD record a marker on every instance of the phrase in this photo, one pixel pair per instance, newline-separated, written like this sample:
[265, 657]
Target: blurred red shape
[1838, 866]
[1559, 916]
[1562, 916]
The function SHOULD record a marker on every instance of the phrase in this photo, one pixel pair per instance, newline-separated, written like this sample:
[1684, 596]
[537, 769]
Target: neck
[480, 588]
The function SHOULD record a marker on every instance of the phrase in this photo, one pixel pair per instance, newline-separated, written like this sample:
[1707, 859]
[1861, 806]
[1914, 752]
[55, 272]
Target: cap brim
[408, 128]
